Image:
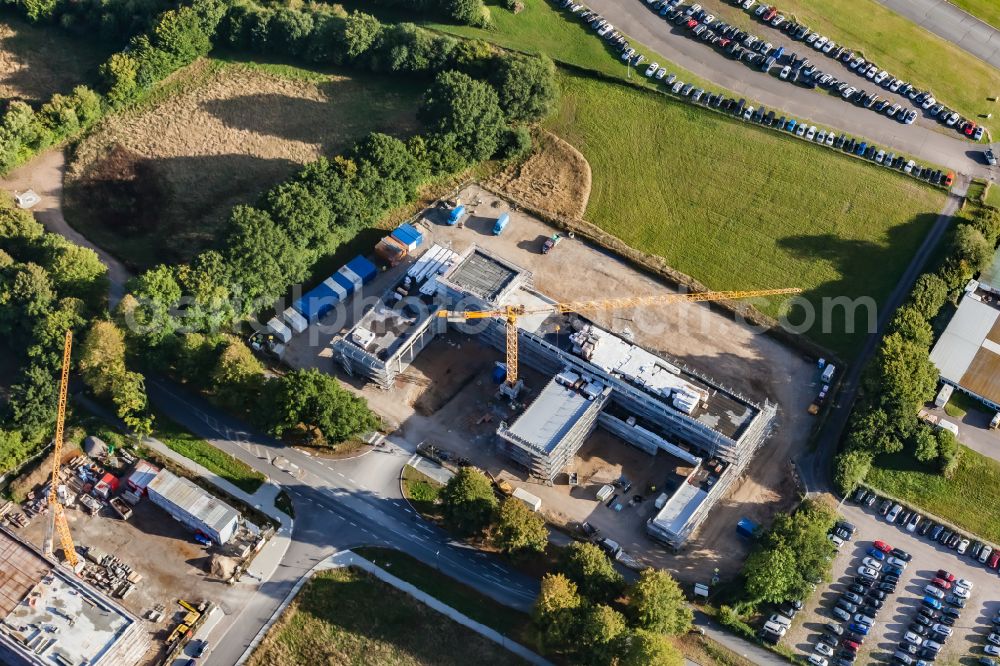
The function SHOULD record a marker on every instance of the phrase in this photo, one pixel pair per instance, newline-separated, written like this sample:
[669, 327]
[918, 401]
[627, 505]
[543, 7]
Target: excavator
[511, 313]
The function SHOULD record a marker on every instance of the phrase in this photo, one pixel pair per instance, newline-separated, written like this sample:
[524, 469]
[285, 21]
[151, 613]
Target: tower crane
[57, 517]
[511, 313]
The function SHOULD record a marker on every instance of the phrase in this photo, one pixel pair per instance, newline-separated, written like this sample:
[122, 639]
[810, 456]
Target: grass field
[992, 196]
[752, 208]
[985, 10]
[422, 491]
[957, 79]
[38, 61]
[219, 133]
[344, 616]
[219, 462]
[970, 499]
[960, 404]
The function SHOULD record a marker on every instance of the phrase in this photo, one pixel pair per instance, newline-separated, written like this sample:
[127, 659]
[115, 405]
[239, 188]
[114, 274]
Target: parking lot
[971, 627]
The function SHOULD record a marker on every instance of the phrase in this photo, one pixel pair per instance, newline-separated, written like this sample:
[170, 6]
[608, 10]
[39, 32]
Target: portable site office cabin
[408, 236]
[335, 289]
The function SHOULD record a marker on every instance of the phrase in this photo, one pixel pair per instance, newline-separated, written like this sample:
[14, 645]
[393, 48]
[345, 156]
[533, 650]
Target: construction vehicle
[550, 243]
[57, 517]
[511, 313]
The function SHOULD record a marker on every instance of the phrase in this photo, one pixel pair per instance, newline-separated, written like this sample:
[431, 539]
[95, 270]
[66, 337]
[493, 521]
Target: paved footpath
[957, 26]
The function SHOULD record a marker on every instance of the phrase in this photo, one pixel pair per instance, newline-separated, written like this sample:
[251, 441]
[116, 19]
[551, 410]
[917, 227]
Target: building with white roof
[967, 355]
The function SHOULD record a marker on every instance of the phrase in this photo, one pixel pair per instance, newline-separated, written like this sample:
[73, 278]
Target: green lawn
[992, 196]
[958, 80]
[985, 10]
[422, 491]
[507, 621]
[960, 404]
[971, 499]
[219, 462]
[738, 206]
[344, 616]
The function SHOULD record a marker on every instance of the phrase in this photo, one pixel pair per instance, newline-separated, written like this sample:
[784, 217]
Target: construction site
[78, 584]
[653, 395]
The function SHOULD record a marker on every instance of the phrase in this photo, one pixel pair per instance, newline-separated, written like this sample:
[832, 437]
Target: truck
[550, 243]
[501, 224]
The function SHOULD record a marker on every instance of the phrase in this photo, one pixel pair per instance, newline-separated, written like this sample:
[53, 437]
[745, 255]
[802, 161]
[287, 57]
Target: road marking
[353, 524]
[351, 480]
[340, 475]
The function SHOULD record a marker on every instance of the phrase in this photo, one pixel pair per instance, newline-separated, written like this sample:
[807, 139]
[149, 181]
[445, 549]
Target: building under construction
[49, 616]
[598, 378]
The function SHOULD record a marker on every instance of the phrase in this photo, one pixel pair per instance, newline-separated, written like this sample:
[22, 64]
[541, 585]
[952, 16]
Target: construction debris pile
[108, 573]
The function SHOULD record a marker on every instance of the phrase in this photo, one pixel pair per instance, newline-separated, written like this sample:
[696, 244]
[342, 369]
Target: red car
[949, 178]
[969, 129]
[852, 646]
[770, 14]
[883, 546]
[946, 575]
[994, 560]
[942, 583]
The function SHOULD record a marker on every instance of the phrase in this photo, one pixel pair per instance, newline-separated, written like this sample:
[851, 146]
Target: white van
[949, 426]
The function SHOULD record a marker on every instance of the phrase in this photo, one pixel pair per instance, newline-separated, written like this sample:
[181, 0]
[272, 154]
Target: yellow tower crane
[57, 518]
[511, 313]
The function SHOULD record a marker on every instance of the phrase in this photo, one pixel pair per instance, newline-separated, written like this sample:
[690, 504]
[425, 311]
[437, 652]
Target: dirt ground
[33, 70]
[224, 134]
[160, 549]
[556, 179]
[694, 336]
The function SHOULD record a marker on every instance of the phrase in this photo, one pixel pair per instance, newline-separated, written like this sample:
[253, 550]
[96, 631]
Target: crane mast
[511, 313]
[57, 517]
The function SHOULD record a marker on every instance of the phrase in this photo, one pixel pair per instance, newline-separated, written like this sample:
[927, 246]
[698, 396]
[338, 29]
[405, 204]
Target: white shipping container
[534, 503]
[828, 373]
[295, 320]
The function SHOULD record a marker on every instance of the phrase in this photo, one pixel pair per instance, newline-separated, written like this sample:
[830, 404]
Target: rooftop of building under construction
[50, 617]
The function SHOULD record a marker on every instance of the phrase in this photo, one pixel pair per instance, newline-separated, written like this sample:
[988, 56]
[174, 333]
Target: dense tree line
[47, 285]
[107, 19]
[902, 378]
[471, 12]
[587, 612]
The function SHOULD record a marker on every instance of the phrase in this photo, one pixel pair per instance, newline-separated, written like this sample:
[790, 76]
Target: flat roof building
[193, 506]
[49, 616]
[967, 355]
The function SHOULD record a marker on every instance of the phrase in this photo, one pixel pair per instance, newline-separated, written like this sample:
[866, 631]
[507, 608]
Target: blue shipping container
[327, 294]
[456, 215]
[501, 224]
[746, 528]
[365, 269]
[408, 235]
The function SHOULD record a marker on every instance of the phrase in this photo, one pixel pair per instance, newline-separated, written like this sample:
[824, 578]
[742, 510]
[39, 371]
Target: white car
[748, 113]
[985, 553]
[821, 137]
[817, 660]
[661, 72]
[801, 129]
[830, 45]
[809, 136]
[880, 157]
[991, 650]
[961, 592]
[911, 115]
[652, 68]
[893, 110]
[864, 619]
[708, 19]
[824, 649]
[913, 639]
[896, 85]
[928, 103]
[819, 43]
[911, 524]
[785, 71]
[962, 582]
[871, 562]
[934, 591]
[909, 166]
[848, 91]
[605, 29]
[896, 562]
[943, 629]
[835, 540]
[994, 638]
[813, 36]
[830, 138]
[880, 77]
[747, 4]
[868, 573]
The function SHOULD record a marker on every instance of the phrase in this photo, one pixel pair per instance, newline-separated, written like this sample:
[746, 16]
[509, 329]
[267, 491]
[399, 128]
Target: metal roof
[552, 414]
[187, 496]
[679, 508]
[964, 338]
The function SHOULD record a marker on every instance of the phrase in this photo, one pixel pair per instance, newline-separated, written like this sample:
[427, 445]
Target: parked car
[911, 524]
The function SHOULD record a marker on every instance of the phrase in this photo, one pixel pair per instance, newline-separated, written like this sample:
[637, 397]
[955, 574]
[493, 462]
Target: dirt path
[45, 175]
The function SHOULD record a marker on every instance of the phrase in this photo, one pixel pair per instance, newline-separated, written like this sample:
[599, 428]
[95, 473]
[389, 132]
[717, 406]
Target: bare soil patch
[220, 135]
[556, 178]
[36, 62]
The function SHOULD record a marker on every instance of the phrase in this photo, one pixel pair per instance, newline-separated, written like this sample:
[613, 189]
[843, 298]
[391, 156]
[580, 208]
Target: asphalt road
[949, 22]
[921, 139]
[338, 505]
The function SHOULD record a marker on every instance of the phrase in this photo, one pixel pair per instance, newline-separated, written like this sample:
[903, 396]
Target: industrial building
[598, 378]
[49, 616]
[193, 506]
[967, 355]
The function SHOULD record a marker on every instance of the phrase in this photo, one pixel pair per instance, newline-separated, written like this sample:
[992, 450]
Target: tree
[519, 529]
[305, 215]
[600, 631]
[649, 649]
[925, 444]
[912, 325]
[872, 431]
[32, 403]
[151, 313]
[14, 450]
[850, 469]
[193, 356]
[526, 87]
[586, 565]
[556, 609]
[360, 31]
[102, 357]
[238, 376]
[262, 257]
[657, 603]
[771, 574]
[75, 270]
[289, 31]
[908, 376]
[929, 294]
[468, 502]
[393, 161]
[49, 331]
[315, 401]
[470, 110]
[129, 395]
[949, 452]
[971, 246]
[210, 304]
[471, 12]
